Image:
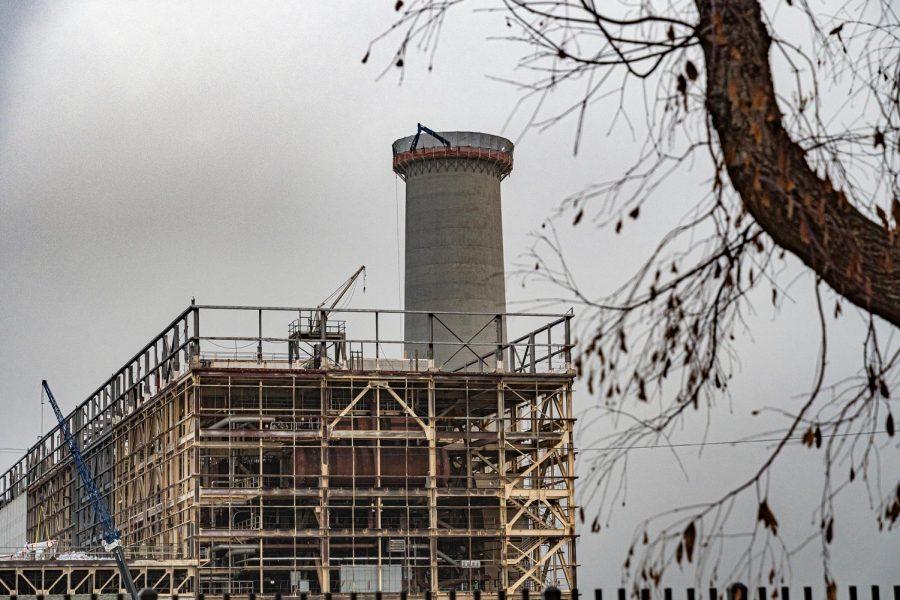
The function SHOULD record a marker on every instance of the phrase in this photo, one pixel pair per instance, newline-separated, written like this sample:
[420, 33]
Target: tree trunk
[802, 212]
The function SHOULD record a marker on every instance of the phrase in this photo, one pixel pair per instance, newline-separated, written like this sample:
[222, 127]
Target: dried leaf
[635, 212]
[774, 296]
[690, 536]
[818, 435]
[399, 63]
[879, 138]
[691, 71]
[883, 388]
[889, 425]
[619, 226]
[398, 5]
[829, 531]
[578, 217]
[809, 437]
[681, 85]
[670, 33]
[595, 526]
[581, 514]
[765, 515]
[365, 58]
[679, 551]
[837, 30]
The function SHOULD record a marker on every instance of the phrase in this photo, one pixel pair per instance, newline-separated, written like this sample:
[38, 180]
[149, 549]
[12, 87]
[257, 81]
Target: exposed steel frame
[252, 470]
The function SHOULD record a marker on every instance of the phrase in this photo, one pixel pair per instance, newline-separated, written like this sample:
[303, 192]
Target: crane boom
[111, 535]
[419, 129]
[343, 289]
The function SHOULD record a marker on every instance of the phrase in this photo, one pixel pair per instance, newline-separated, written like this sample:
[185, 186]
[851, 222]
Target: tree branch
[800, 210]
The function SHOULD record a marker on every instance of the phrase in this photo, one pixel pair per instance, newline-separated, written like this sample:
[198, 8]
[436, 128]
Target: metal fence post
[498, 353]
[259, 339]
[431, 339]
[196, 331]
[533, 363]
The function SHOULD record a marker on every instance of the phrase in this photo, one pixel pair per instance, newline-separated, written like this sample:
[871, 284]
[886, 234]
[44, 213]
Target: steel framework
[263, 462]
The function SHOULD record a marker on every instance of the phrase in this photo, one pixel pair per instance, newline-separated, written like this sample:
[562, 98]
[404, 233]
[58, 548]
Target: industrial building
[280, 450]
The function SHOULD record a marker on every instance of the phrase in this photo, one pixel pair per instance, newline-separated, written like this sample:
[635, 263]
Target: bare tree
[785, 176]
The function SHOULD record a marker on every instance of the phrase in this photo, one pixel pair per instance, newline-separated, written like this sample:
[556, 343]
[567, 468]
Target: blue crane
[111, 535]
[419, 129]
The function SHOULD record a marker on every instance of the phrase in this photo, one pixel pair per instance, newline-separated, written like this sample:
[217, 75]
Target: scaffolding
[266, 462]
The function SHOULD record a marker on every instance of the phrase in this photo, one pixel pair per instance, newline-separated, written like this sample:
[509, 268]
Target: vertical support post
[145, 387]
[430, 340]
[549, 349]
[324, 545]
[323, 347]
[532, 366]
[377, 344]
[259, 339]
[498, 353]
[432, 490]
[502, 492]
[570, 485]
[195, 349]
[378, 499]
[568, 341]
[175, 352]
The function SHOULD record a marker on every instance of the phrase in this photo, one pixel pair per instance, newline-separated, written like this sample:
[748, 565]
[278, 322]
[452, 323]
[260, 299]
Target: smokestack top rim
[457, 139]
[465, 145]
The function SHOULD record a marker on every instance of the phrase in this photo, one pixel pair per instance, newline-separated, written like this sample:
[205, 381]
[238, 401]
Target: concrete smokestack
[454, 243]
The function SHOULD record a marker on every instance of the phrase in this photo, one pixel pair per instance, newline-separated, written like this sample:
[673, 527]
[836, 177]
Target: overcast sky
[154, 152]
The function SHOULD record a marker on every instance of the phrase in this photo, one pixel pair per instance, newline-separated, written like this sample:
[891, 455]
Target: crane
[340, 292]
[419, 129]
[111, 535]
[312, 326]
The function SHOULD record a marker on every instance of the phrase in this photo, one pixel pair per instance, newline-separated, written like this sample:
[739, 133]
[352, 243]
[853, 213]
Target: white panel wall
[13, 525]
